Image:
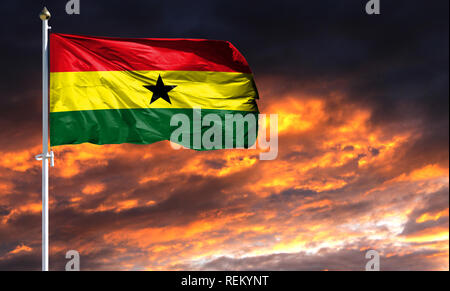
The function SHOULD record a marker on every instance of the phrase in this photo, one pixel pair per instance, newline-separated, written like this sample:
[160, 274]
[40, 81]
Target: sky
[363, 157]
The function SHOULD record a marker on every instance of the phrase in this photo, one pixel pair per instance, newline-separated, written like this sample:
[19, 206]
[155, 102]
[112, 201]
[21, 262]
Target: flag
[124, 90]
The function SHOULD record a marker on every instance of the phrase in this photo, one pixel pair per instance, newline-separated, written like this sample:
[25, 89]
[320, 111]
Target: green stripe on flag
[135, 126]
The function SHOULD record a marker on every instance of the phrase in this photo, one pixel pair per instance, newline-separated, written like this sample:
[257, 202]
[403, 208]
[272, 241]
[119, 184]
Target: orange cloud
[428, 172]
[20, 249]
[93, 188]
[181, 209]
[432, 216]
[429, 235]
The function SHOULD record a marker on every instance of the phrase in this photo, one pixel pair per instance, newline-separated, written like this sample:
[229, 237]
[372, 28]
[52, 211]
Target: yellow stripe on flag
[97, 90]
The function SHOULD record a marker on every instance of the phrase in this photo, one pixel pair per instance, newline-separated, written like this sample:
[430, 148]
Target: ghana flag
[123, 90]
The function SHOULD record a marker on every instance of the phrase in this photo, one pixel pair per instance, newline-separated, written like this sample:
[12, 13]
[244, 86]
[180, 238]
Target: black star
[160, 90]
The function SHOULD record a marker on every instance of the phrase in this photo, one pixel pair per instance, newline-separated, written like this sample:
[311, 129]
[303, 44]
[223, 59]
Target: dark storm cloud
[432, 204]
[396, 63]
[326, 259]
[21, 262]
[181, 198]
[400, 55]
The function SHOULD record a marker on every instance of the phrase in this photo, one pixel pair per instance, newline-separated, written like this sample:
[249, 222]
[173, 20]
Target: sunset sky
[363, 145]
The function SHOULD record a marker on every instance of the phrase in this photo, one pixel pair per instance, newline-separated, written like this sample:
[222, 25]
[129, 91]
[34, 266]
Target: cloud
[327, 197]
[326, 260]
[432, 214]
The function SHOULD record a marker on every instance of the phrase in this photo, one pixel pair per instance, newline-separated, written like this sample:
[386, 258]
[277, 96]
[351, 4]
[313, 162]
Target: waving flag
[120, 90]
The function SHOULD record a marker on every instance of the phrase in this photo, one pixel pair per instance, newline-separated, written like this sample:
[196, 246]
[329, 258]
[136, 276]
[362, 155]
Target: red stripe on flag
[74, 53]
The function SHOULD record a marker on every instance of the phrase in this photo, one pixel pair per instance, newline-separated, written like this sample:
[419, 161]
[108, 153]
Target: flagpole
[46, 155]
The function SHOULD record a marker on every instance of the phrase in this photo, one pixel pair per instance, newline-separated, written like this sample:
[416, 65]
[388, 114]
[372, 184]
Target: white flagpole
[46, 155]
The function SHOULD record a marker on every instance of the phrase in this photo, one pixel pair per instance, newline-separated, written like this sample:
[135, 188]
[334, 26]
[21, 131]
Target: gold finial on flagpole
[45, 14]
